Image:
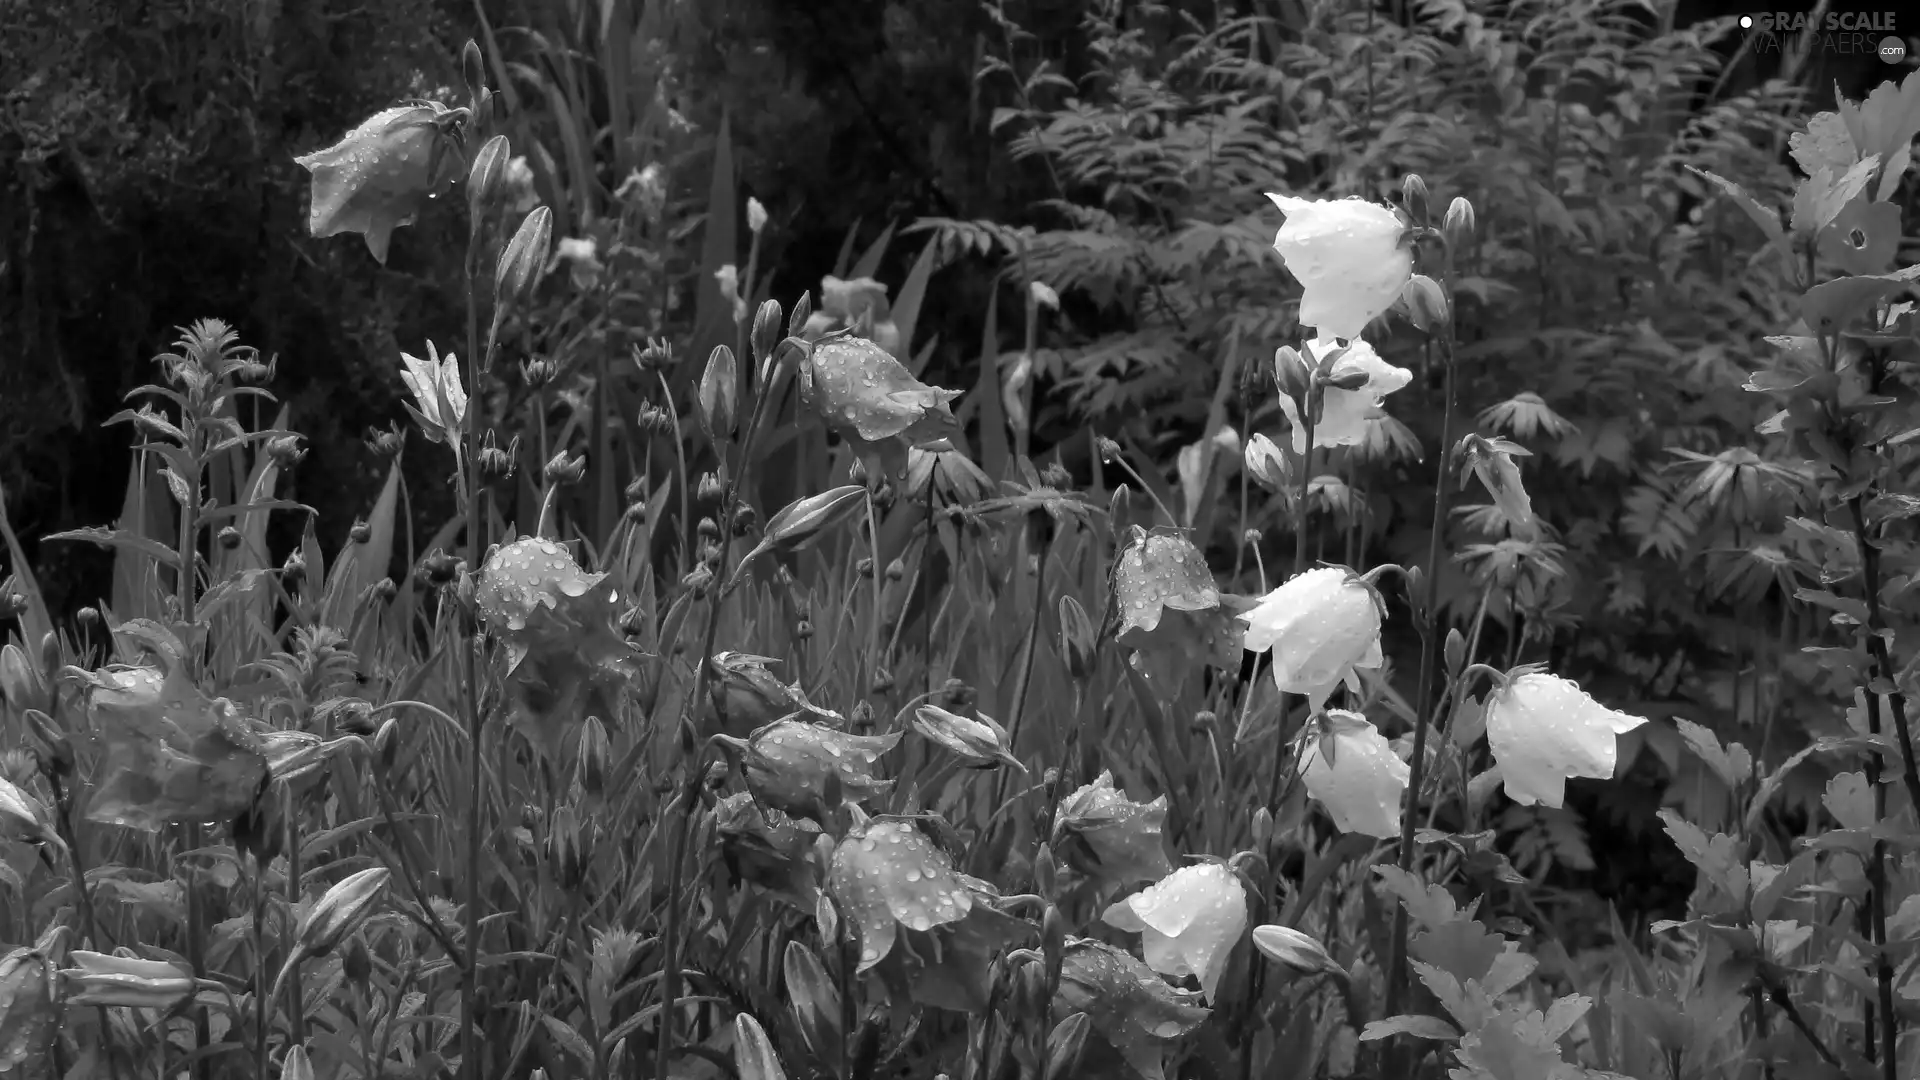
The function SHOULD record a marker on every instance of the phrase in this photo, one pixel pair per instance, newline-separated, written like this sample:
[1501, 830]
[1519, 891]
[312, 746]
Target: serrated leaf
[1733, 765]
[1833, 305]
[1715, 856]
[1820, 198]
[1849, 798]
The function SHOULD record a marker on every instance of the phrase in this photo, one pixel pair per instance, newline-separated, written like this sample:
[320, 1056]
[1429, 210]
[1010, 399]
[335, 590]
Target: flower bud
[1458, 227]
[753, 1055]
[296, 1066]
[488, 175]
[361, 532]
[88, 617]
[1045, 875]
[563, 469]
[563, 849]
[857, 472]
[656, 356]
[356, 963]
[1076, 638]
[520, 265]
[717, 394]
[438, 568]
[797, 318]
[814, 998]
[56, 756]
[756, 215]
[473, 68]
[744, 520]
[386, 744]
[766, 334]
[1067, 1044]
[896, 570]
[1117, 507]
[495, 463]
[386, 443]
[127, 981]
[708, 491]
[1427, 306]
[228, 538]
[537, 373]
[1455, 651]
[1262, 830]
[285, 450]
[1291, 372]
[294, 570]
[596, 755]
[340, 910]
[1267, 465]
[1293, 950]
[979, 743]
[1414, 191]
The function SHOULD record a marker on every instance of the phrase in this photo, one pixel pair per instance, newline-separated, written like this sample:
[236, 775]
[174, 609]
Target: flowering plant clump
[787, 714]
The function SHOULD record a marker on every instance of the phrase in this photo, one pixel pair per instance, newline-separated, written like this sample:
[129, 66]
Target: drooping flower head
[1348, 256]
[1544, 730]
[1136, 1013]
[873, 401]
[787, 765]
[1345, 414]
[172, 754]
[1164, 606]
[381, 174]
[1322, 627]
[1189, 922]
[566, 656]
[746, 696]
[1351, 769]
[887, 875]
[1100, 832]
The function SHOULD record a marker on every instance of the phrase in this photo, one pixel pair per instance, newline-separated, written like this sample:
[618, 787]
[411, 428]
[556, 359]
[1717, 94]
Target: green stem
[470, 1068]
[874, 659]
[679, 815]
[193, 837]
[1429, 663]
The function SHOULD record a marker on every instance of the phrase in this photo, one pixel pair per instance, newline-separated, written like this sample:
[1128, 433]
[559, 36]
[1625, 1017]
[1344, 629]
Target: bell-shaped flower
[1349, 258]
[1299, 953]
[764, 846]
[1544, 729]
[172, 754]
[791, 764]
[566, 656]
[1136, 1013]
[439, 402]
[382, 173]
[746, 696]
[1322, 627]
[122, 980]
[887, 875]
[950, 965]
[979, 742]
[1167, 609]
[873, 401]
[1189, 922]
[1346, 412]
[1100, 832]
[27, 1010]
[1351, 769]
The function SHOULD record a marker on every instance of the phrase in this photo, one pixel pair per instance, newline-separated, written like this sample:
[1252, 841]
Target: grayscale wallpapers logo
[1846, 32]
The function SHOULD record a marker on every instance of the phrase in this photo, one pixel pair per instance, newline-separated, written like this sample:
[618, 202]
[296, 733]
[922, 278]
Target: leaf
[1733, 765]
[753, 1051]
[362, 563]
[35, 622]
[114, 538]
[1846, 609]
[568, 1039]
[1430, 905]
[1832, 305]
[1824, 145]
[1420, 1027]
[1849, 798]
[1768, 220]
[1462, 948]
[1499, 1049]
[1820, 198]
[1716, 856]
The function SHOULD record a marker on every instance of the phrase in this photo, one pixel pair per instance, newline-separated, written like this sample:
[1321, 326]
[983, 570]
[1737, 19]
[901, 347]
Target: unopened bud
[718, 393]
[1291, 372]
[228, 538]
[488, 175]
[521, 264]
[896, 570]
[563, 849]
[708, 491]
[537, 373]
[296, 1066]
[285, 450]
[1456, 651]
[127, 981]
[1426, 304]
[1414, 189]
[797, 318]
[766, 334]
[56, 757]
[803, 629]
[1458, 227]
[294, 570]
[857, 472]
[88, 617]
[882, 681]
[707, 529]
[1293, 950]
[473, 68]
[495, 463]
[564, 470]
[355, 963]
[361, 532]
[744, 519]
[386, 744]
[656, 356]
[1076, 638]
[1268, 467]
[596, 754]
[1117, 507]
[1262, 830]
[348, 716]
[387, 443]
[438, 568]
[1067, 1044]
[1044, 873]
